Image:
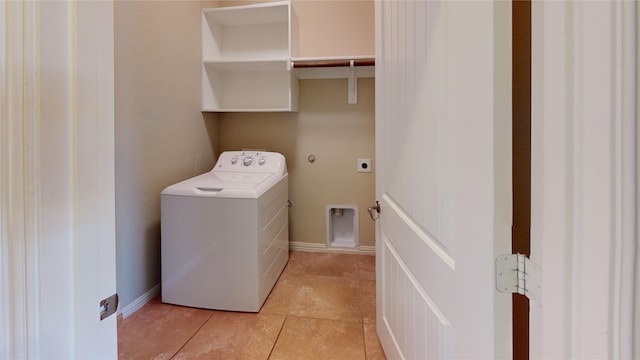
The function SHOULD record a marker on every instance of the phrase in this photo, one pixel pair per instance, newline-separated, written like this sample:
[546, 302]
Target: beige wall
[161, 135]
[327, 127]
[332, 28]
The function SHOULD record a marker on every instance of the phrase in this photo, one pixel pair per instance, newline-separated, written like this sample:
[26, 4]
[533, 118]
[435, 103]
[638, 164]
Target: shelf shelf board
[246, 109]
[264, 13]
[248, 65]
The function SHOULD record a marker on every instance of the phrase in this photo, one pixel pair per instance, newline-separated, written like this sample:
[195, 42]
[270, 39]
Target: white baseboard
[139, 302]
[313, 247]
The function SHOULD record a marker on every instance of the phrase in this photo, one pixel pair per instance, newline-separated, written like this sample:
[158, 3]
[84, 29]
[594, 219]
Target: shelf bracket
[353, 84]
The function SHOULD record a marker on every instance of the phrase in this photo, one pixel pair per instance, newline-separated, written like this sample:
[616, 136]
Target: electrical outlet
[364, 165]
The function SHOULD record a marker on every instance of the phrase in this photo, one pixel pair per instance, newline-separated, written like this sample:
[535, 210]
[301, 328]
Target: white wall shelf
[247, 63]
[264, 13]
[246, 52]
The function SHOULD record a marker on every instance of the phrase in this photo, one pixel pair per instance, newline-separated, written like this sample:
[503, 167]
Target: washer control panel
[250, 161]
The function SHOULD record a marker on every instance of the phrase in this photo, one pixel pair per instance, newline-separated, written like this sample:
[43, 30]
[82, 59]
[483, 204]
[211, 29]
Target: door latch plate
[108, 306]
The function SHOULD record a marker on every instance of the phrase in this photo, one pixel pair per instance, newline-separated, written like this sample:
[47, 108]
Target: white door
[443, 153]
[57, 244]
[584, 179]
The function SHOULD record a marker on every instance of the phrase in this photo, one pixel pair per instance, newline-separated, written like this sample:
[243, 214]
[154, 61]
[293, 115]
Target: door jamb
[521, 162]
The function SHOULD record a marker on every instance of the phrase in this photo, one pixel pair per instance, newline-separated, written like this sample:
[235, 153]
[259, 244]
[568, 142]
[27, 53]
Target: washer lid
[222, 180]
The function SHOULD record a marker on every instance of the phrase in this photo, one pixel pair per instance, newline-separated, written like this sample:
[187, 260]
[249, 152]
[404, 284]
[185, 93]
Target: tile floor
[322, 307]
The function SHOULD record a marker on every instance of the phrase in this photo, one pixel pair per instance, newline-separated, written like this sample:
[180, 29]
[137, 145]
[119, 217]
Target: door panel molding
[419, 232]
[429, 334]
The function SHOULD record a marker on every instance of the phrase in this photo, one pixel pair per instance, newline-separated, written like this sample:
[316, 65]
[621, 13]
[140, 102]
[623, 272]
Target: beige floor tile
[367, 267]
[280, 297]
[372, 344]
[233, 335]
[324, 297]
[325, 264]
[326, 302]
[310, 339]
[368, 301]
[158, 330]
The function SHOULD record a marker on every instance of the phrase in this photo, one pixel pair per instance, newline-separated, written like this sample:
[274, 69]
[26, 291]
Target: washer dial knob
[261, 161]
[248, 161]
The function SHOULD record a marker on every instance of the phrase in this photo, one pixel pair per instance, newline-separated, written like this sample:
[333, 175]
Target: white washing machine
[225, 236]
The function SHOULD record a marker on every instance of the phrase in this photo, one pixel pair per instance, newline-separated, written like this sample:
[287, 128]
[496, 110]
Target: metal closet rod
[333, 63]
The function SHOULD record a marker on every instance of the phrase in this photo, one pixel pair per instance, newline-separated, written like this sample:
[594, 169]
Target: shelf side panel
[211, 85]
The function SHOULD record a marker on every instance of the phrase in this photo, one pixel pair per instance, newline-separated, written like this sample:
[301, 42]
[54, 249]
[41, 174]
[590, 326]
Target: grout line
[364, 340]
[191, 337]
[360, 309]
[278, 337]
[325, 319]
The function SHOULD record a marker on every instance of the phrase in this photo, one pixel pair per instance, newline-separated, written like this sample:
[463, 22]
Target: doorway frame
[19, 171]
[57, 244]
[584, 166]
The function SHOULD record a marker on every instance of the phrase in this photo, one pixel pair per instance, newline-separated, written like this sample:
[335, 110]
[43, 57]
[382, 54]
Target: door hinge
[516, 273]
[108, 306]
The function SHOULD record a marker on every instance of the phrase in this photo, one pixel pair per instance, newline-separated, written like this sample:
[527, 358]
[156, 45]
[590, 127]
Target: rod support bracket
[353, 84]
